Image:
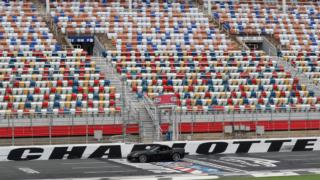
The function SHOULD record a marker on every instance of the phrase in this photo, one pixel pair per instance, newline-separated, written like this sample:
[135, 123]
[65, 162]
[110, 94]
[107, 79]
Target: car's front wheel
[176, 157]
[143, 158]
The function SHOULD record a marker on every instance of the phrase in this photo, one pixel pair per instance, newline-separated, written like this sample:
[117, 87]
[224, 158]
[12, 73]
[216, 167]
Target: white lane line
[134, 178]
[195, 178]
[86, 178]
[287, 155]
[315, 171]
[304, 159]
[93, 167]
[146, 166]
[224, 162]
[301, 155]
[312, 163]
[116, 171]
[28, 170]
[172, 177]
[204, 163]
[73, 163]
[273, 174]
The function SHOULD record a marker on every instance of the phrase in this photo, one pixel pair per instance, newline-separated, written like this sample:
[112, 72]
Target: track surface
[257, 165]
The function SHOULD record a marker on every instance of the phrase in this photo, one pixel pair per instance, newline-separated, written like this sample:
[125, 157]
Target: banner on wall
[121, 150]
[168, 99]
[81, 39]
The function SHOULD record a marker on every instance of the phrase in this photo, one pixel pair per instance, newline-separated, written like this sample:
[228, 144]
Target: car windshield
[154, 148]
[160, 148]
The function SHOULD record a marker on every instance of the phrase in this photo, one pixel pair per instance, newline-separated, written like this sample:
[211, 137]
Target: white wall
[121, 150]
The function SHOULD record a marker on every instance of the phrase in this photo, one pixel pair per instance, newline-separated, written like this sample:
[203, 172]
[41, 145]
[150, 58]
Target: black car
[157, 153]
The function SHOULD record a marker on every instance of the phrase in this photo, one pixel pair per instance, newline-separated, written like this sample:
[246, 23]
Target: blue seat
[96, 97]
[75, 89]
[214, 101]
[106, 82]
[187, 95]
[56, 105]
[27, 105]
[79, 103]
[198, 102]
[30, 97]
[57, 97]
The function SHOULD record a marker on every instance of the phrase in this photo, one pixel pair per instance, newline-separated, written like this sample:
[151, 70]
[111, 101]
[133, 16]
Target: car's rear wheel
[176, 157]
[143, 158]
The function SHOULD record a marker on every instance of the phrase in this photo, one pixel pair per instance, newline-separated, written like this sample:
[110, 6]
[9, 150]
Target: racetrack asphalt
[258, 165]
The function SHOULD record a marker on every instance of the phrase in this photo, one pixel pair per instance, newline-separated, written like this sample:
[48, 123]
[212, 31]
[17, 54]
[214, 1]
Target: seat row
[57, 104]
[182, 53]
[48, 72]
[52, 77]
[249, 108]
[60, 111]
[48, 54]
[61, 64]
[66, 90]
[58, 83]
[188, 82]
[204, 76]
[60, 96]
[239, 94]
[247, 101]
[216, 88]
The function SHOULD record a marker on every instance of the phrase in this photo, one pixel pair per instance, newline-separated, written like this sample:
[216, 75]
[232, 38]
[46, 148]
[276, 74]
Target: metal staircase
[137, 108]
[103, 38]
[132, 107]
[303, 79]
[222, 30]
[58, 35]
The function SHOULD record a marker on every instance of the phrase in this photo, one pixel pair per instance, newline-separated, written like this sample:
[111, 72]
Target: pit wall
[121, 150]
[185, 127]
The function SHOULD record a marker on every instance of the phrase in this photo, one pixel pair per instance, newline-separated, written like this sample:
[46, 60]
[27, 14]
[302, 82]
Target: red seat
[45, 104]
[53, 90]
[73, 96]
[37, 90]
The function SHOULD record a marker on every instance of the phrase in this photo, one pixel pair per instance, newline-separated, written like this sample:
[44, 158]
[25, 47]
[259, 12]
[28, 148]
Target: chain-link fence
[66, 129]
[246, 124]
[124, 127]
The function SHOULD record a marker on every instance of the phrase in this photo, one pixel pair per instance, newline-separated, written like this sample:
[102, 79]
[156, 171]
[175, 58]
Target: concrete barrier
[121, 150]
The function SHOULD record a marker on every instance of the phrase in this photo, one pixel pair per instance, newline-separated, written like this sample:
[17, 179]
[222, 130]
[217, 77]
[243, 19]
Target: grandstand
[194, 51]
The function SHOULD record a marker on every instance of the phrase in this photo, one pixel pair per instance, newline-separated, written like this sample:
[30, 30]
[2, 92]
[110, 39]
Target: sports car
[157, 153]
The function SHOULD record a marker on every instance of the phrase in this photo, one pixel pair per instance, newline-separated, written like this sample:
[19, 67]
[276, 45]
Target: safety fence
[239, 124]
[172, 125]
[59, 129]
